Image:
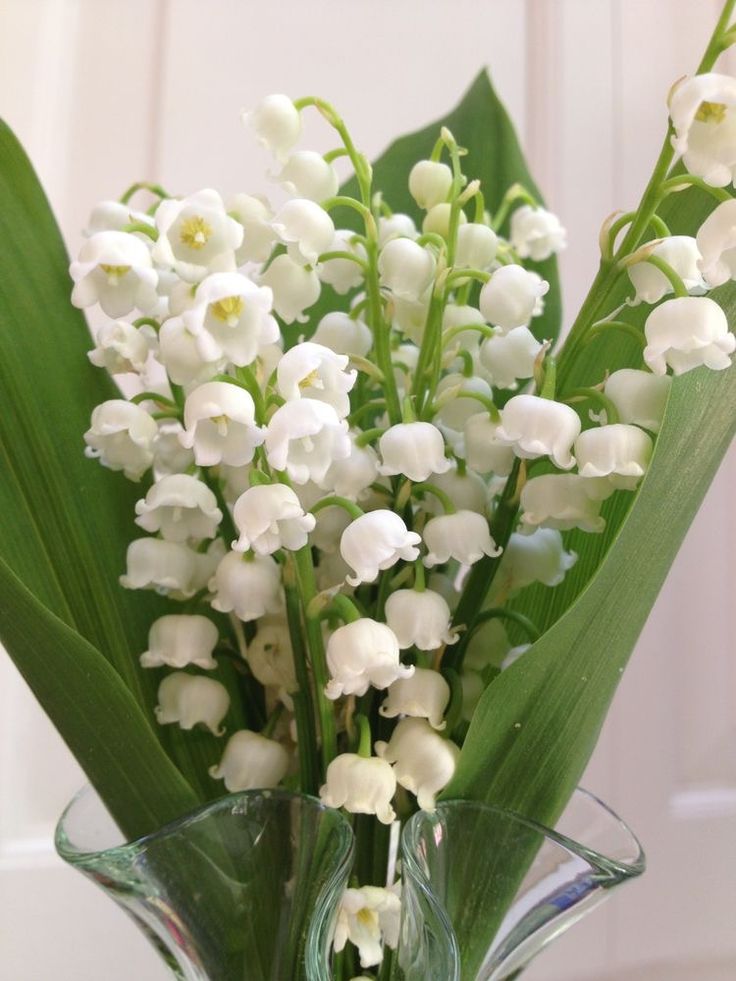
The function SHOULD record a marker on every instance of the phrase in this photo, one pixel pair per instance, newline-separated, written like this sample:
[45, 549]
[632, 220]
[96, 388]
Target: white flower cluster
[335, 472]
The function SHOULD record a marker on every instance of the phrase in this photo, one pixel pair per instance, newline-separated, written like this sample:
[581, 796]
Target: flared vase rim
[75, 855]
[608, 865]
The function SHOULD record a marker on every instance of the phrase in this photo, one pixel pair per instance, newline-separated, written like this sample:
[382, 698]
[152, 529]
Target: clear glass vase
[247, 888]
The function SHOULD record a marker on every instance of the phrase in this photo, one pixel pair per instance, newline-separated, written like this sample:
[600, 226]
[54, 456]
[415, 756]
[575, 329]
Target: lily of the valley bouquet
[373, 534]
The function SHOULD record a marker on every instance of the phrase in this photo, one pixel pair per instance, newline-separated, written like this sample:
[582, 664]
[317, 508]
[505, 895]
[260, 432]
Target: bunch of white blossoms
[325, 414]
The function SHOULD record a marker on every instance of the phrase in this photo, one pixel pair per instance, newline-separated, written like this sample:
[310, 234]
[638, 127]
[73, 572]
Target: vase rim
[607, 864]
[77, 855]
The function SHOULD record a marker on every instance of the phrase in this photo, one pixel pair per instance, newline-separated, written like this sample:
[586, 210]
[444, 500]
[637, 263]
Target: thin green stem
[305, 697]
[444, 498]
[672, 275]
[595, 395]
[334, 500]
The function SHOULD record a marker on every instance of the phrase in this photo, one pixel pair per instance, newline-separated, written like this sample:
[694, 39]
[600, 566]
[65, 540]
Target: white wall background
[106, 91]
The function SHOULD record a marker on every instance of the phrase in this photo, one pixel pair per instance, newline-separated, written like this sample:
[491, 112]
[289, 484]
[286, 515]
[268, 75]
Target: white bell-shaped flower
[180, 354]
[409, 317]
[455, 412]
[483, 452]
[231, 318]
[376, 541]
[303, 438]
[352, 476]
[169, 456]
[639, 396]
[429, 183]
[415, 449]
[191, 700]
[342, 274]
[703, 113]
[565, 501]
[295, 288]
[276, 122]
[467, 491]
[179, 507]
[250, 588]
[437, 220]
[344, 334]
[456, 315]
[536, 233]
[219, 425]
[312, 371]
[536, 427]
[679, 251]
[463, 536]
[121, 436]
[164, 566]
[510, 357]
[477, 246]
[251, 762]
[406, 268]
[420, 618]
[620, 452]
[115, 270]
[120, 348]
[205, 565]
[687, 332]
[113, 216]
[255, 215]
[424, 762]
[362, 654]
[305, 228]
[425, 695]
[395, 226]
[180, 640]
[270, 655]
[306, 174]
[536, 557]
[716, 241]
[511, 297]
[362, 785]
[369, 917]
[270, 517]
[196, 236]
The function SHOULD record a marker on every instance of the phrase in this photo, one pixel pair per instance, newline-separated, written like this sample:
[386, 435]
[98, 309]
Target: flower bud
[536, 557]
[687, 332]
[248, 588]
[361, 785]
[376, 541]
[362, 654]
[295, 288]
[415, 449]
[619, 451]
[121, 436]
[536, 427]
[424, 762]
[511, 297]
[425, 695]
[703, 113]
[190, 699]
[536, 233]
[179, 640]
[483, 452]
[419, 618]
[254, 215]
[406, 268]
[120, 348]
[455, 411]
[342, 275]
[510, 357]
[463, 536]
[343, 334]
[437, 220]
[477, 246]
[270, 517]
[311, 371]
[467, 491]
[395, 226]
[429, 183]
[277, 124]
[251, 762]
[306, 174]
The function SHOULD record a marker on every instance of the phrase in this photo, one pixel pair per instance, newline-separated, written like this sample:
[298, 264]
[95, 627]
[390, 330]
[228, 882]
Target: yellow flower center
[114, 273]
[711, 112]
[310, 380]
[367, 918]
[228, 309]
[195, 232]
[221, 423]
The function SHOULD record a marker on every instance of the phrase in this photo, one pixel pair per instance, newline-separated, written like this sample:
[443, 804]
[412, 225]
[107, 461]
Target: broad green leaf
[481, 125]
[66, 520]
[102, 723]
